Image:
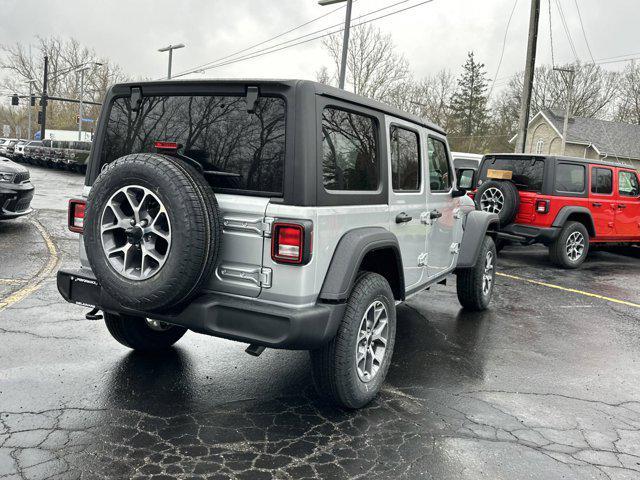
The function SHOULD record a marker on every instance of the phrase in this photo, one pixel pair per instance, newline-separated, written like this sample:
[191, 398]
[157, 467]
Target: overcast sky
[432, 36]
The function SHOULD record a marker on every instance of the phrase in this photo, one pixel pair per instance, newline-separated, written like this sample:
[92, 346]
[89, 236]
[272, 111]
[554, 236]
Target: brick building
[586, 138]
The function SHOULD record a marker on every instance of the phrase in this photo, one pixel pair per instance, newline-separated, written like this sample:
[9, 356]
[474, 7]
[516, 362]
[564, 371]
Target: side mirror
[465, 178]
[460, 192]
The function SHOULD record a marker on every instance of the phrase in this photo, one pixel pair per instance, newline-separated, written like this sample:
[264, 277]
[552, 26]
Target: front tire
[571, 247]
[350, 369]
[141, 334]
[475, 285]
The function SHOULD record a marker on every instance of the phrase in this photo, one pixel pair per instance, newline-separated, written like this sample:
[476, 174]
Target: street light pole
[31, 81]
[170, 49]
[345, 38]
[81, 70]
[570, 75]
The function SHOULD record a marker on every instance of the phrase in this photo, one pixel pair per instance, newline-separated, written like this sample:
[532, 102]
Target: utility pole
[80, 112]
[345, 38]
[529, 71]
[170, 49]
[43, 100]
[568, 75]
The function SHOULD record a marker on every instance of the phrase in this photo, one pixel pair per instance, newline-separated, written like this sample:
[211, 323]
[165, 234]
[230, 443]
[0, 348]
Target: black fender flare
[565, 212]
[476, 225]
[348, 256]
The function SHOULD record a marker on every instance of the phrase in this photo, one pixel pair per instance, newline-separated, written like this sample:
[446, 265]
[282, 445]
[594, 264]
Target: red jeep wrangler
[563, 202]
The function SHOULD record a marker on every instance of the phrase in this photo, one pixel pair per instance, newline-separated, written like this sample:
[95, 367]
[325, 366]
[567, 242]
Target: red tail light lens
[173, 146]
[291, 243]
[75, 218]
[542, 206]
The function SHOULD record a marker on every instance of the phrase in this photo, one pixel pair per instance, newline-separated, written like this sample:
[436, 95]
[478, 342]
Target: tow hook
[93, 314]
[255, 350]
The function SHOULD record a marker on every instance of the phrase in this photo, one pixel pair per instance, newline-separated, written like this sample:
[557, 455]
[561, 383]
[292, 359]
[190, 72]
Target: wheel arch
[477, 224]
[371, 248]
[575, 214]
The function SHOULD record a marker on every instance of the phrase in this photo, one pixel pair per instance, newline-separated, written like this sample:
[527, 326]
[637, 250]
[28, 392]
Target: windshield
[528, 173]
[238, 151]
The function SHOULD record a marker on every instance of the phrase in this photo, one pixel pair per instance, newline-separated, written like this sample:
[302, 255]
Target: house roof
[608, 138]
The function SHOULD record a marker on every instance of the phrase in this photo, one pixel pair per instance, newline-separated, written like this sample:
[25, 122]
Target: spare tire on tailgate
[499, 197]
[152, 231]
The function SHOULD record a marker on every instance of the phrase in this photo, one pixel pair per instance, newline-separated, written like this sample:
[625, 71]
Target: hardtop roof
[319, 88]
[557, 157]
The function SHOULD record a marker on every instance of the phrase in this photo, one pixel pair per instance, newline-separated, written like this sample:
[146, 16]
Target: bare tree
[374, 68]
[594, 90]
[628, 108]
[20, 64]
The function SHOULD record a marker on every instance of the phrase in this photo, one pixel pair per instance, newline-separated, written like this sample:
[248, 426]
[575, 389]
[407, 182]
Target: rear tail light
[167, 146]
[75, 218]
[291, 242]
[542, 206]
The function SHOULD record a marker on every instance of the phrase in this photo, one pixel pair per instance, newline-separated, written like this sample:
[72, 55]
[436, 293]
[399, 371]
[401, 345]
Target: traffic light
[39, 117]
[33, 100]
[15, 100]
[77, 119]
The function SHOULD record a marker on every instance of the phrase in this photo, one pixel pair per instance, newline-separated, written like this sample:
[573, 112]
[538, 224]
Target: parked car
[466, 164]
[16, 190]
[18, 150]
[297, 219]
[6, 147]
[77, 156]
[30, 150]
[565, 203]
[45, 153]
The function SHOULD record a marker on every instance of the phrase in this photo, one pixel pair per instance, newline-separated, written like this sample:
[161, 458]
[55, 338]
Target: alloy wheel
[492, 200]
[575, 246]
[136, 232]
[373, 336]
[487, 275]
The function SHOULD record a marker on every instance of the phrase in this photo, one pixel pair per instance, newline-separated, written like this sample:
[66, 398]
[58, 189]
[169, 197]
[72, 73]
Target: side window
[349, 151]
[405, 160]
[570, 178]
[601, 181]
[628, 184]
[439, 167]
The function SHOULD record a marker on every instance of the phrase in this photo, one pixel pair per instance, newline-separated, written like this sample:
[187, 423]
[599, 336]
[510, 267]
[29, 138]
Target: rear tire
[139, 334]
[369, 316]
[475, 285]
[500, 197]
[571, 248]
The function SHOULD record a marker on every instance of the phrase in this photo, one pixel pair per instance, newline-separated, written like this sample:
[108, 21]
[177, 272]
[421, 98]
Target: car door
[407, 199]
[603, 202]
[627, 217]
[442, 225]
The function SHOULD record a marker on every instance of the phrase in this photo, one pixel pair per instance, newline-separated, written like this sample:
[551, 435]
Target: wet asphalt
[544, 385]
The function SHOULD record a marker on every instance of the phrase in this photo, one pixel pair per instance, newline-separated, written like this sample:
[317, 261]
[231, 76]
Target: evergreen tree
[469, 109]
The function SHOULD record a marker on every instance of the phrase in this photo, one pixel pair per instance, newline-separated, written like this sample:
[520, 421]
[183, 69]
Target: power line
[272, 49]
[584, 34]
[553, 60]
[504, 44]
[251, 47]
[204, 66]
[566, 30]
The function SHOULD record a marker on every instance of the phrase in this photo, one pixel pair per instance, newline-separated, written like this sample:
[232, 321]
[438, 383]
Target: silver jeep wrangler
[283, 214]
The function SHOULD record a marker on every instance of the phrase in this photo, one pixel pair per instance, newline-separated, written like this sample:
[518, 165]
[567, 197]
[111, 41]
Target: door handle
[433, 214]
[621, 206]
[403, 218]
[597, 204]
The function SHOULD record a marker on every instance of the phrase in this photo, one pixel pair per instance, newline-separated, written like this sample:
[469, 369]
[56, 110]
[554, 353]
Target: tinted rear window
[528, 174]
[239, 151]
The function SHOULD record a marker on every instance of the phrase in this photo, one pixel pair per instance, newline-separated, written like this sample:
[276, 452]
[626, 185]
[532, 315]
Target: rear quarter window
[570, 178]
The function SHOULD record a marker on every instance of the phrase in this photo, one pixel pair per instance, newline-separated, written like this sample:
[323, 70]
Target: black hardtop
[554, 157]
[238, 86]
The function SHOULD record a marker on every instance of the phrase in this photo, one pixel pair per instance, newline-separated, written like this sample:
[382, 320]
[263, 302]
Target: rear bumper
[15, 199]
[244, 320]
[530, 234]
